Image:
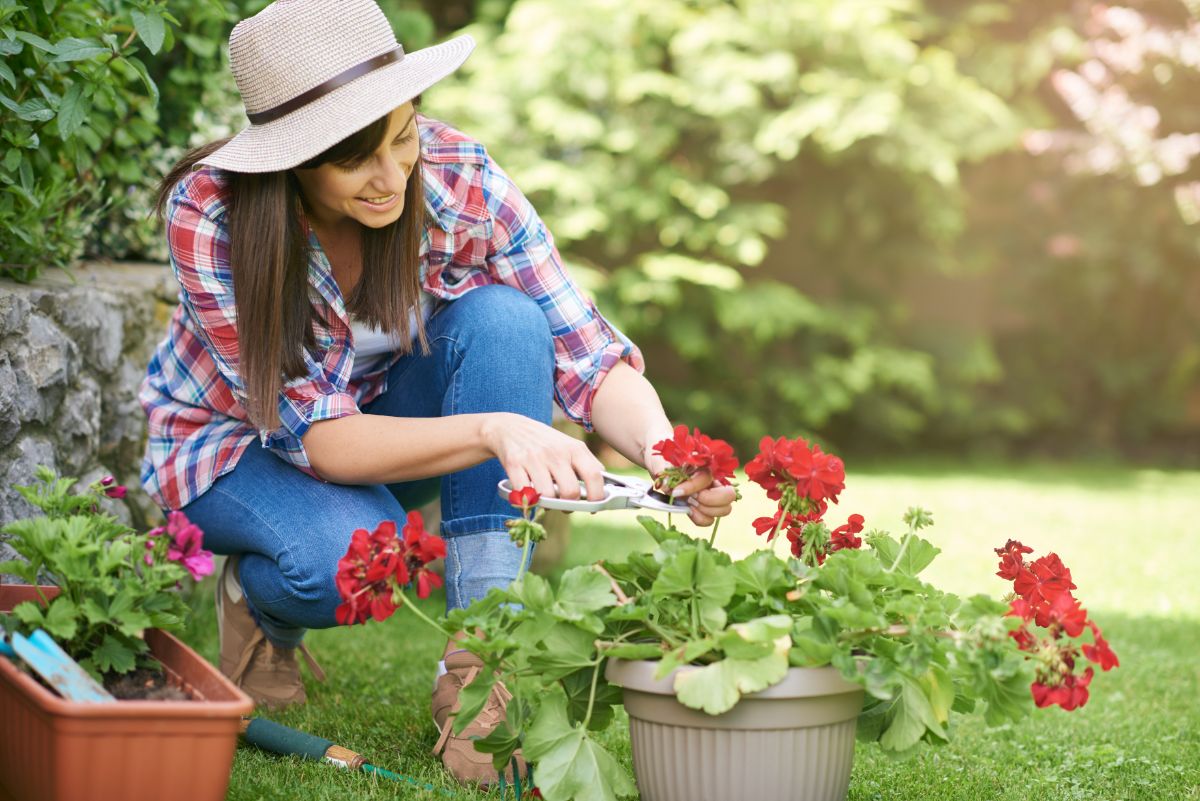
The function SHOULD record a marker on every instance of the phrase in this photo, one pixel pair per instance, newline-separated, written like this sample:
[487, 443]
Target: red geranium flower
[1065, 612]
[1011, 559]
[1101, 654]
[525, 498]
[691, 453]
[768, 525]
[815, 475]
[379, 562]
[1053, 577]
[843, 536]
[1072, 693]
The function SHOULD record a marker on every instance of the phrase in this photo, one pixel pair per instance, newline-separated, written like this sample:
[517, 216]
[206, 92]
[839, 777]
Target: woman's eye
[404, 140]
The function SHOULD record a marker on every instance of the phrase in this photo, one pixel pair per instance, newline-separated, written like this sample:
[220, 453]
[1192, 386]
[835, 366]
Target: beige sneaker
[265, 672]
[458, 752]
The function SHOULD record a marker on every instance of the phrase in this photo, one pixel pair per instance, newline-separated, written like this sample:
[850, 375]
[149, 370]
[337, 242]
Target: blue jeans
[491, 351]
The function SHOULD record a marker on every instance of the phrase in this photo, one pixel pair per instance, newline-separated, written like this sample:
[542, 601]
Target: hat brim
[296, 137]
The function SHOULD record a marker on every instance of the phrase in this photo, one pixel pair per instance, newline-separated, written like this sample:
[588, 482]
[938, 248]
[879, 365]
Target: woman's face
[371, 192]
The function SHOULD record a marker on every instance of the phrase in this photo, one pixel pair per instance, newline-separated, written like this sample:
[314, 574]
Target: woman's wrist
[653, 435]
[487, 423]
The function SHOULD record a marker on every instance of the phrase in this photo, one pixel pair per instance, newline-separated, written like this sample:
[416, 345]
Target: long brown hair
[268, 255]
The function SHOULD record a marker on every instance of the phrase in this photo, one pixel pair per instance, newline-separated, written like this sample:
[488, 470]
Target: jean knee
[508, 317]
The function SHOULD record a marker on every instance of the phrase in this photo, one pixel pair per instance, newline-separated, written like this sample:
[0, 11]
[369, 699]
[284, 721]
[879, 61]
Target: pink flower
[186, 539]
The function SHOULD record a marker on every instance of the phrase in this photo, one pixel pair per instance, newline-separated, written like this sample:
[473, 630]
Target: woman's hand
[708, 502]
[536, 455]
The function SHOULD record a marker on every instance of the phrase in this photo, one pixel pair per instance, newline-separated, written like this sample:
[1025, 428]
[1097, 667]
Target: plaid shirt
[480, 230]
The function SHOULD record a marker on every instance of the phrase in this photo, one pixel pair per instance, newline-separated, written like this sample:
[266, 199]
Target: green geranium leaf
[908, 719]
[754, 639]
[578, 687]
[760, 573]
[917, 556]
[473, 697]
[565, 649]
[696, 573]
[635, 650]
[685, 655]
[500, 743]
[570, 765]
[583, 590]
[717, 687]
[939, 689]
[533, 592]
[1006, 693]
[61, 619]
[657, 530]
[114, 656]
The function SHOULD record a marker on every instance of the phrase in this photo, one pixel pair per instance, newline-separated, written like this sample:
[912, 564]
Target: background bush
[895, 225]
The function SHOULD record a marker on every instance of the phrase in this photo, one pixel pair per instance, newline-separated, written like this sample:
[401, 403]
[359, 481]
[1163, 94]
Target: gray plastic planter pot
[790, 742]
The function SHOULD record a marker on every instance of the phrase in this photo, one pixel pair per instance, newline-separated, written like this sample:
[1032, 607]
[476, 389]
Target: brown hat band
[320, 90]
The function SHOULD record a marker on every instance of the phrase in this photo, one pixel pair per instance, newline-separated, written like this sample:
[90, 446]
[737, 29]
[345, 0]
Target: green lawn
[1127, 535]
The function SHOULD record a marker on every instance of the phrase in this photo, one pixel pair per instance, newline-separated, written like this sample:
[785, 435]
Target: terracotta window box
[52, 749]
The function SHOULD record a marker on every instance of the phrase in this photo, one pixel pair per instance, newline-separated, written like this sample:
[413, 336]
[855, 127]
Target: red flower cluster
[1043, 589]
[689, 454]
[785, 463]
[378, 564]
[804, 480]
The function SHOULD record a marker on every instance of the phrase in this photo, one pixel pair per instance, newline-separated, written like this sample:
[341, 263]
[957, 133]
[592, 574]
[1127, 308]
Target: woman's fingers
[589, 469]
[517, 477]
[717, 496]
[696, 483]
[711, 511]
[565, 478]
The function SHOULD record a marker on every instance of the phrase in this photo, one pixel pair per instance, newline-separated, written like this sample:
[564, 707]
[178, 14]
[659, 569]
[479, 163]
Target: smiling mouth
[378, 201]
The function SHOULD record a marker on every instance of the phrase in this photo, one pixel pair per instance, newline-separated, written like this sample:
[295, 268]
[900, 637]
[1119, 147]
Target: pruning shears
[620, 492]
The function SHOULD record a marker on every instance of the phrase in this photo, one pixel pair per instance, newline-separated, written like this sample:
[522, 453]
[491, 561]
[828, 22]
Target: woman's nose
[391, 175]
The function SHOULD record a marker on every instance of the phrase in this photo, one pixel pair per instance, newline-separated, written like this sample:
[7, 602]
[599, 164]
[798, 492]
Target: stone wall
[72, 354]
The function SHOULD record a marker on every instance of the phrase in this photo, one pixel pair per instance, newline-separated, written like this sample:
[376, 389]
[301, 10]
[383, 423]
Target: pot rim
[196, 708]
[800, 682]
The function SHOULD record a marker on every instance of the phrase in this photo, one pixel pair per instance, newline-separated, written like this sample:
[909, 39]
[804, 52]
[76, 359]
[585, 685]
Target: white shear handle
[505, 487]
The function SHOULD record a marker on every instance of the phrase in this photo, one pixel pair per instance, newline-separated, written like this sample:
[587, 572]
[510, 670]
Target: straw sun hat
[312, 72]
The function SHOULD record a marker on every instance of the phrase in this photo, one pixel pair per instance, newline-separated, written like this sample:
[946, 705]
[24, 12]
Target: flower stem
[524, 557]
[713, 537]
[900, 553]
[410, 605]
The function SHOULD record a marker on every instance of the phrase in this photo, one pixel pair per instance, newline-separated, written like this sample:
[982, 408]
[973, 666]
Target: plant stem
[524, 558]
[671, 641]
[592, 694]
[900, 553]
[622, 598]
[713, 537]
[408, 604]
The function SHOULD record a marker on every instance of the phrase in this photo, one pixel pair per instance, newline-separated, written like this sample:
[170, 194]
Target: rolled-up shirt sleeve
[521, 253]
[198, 242]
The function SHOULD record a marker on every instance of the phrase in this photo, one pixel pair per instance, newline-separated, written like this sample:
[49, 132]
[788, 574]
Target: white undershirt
[373, 347]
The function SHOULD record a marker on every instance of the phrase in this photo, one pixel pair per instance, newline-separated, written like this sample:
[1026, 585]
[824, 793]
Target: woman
[370, 312]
